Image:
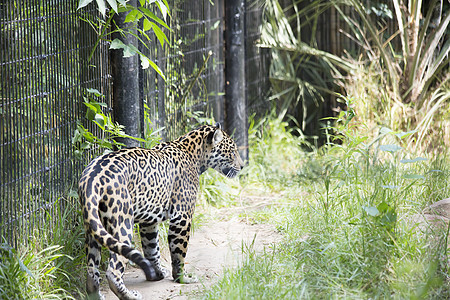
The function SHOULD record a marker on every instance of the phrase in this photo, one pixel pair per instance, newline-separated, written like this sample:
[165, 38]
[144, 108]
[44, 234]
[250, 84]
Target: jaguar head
[220, 153]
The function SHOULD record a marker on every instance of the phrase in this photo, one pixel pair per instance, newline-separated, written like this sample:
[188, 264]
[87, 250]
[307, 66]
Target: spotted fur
[147, 187]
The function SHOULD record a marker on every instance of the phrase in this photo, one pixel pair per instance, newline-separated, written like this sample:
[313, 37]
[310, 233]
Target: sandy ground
[215, 245]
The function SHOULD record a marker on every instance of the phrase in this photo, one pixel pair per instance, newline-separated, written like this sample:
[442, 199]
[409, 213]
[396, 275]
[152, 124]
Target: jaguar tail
[95, 228]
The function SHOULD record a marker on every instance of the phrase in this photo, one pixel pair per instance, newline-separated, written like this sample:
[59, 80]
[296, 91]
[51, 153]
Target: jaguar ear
[218, 136]
[218, 125]
[215, 137]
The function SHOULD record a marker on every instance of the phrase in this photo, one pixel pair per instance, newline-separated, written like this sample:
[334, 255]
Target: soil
[216, 245]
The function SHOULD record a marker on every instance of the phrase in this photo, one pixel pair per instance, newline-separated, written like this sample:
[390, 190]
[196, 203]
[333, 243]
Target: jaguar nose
[239, 160]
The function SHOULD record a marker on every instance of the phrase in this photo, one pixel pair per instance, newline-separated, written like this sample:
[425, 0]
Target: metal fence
[194, 87]
[44, 47]
[44, 71]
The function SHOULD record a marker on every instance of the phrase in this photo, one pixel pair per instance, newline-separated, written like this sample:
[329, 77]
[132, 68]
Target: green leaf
[390, 148]
[159, 33]
[83, 3]
[116, 44]
[85, 145]
[371, 210]
[90, 114]
[383, 207]
[152, 16]
[133, 15]
[95, 107]
[215, 25]
[101, 7]
[88, 136]
[408, 161]
[124, 7]
[403, 135]
[147, 25]
[94, 91]
[100, 120]
[128, 50]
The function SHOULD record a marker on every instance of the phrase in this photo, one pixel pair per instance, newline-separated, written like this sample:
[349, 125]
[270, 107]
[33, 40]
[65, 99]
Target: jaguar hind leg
[93, 253]
[114, 274]
[122, 231]
[150, 246]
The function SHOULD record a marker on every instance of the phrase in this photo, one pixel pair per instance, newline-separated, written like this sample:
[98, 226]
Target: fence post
[235, 100]
[125, 71]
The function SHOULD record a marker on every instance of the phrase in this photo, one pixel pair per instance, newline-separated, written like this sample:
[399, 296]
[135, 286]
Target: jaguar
[146, 187]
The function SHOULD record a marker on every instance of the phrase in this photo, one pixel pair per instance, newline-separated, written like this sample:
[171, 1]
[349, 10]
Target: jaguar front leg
[178, 238]
[150, 246]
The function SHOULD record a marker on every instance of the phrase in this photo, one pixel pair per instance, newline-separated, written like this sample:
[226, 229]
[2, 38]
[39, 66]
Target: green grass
[49, 266]
[345, 214]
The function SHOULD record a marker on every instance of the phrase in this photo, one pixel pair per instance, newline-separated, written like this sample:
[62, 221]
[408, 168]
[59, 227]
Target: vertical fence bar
[235, 100]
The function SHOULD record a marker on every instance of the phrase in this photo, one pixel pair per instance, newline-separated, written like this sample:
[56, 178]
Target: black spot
[178, 251]
[109, 190]
[152, 245]
[123, 232]
[120, 267]
[93, 225]
[103, 207]
[178, 241]
[151, 235]
[127, 223]
[104, 163]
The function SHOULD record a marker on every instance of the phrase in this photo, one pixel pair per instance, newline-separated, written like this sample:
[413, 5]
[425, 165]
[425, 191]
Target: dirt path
[215, 245]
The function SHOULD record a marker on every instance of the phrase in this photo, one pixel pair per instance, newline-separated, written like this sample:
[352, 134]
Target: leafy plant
[84, 139]
[400, 80]
[150, 22]
[416, 74]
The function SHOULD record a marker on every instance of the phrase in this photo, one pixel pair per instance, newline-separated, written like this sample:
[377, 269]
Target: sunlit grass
[346, 216]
